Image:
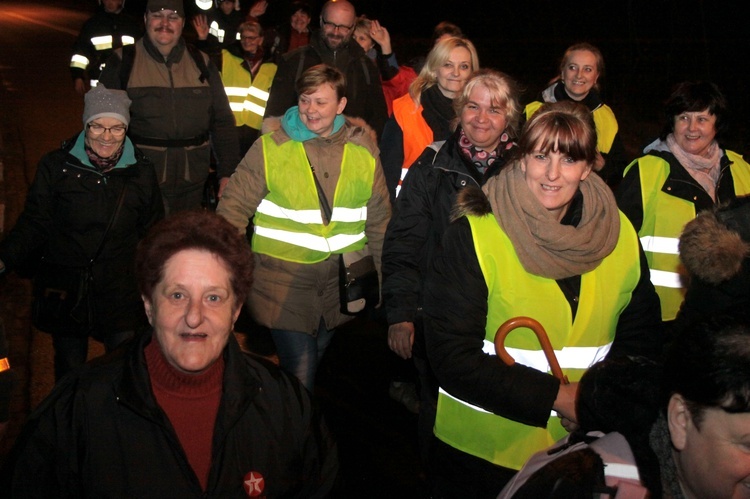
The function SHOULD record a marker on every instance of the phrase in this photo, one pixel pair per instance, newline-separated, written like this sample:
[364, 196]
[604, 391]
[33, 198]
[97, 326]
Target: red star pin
[254, 484]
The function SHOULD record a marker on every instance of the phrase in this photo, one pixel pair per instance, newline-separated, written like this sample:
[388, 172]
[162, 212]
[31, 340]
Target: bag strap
[321, 195]
[110, 224]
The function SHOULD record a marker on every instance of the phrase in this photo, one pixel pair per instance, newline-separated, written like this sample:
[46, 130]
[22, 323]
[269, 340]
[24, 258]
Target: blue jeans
[72, 351]
[300, 353]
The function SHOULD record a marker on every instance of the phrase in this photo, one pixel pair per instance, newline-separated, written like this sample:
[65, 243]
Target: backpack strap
[126, 65]
[197, 56]
[301, 65]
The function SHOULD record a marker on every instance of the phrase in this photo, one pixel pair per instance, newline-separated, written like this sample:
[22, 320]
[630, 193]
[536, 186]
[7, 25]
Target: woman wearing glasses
[93, 199]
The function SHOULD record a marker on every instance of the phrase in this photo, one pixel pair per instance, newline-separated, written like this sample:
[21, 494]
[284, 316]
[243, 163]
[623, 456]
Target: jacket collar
[680, 184]
[174, 56]
[241, 386]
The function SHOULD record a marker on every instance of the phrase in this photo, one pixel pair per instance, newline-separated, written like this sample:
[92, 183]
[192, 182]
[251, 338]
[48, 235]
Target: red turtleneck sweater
[191, 402]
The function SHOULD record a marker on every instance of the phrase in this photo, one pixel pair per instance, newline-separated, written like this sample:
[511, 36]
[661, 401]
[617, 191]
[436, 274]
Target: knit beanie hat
[101, 102]
[175, 5]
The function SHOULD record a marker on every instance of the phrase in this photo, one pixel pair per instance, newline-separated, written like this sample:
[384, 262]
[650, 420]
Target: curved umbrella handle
[541, 334]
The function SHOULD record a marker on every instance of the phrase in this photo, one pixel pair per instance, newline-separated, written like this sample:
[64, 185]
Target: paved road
[38, 109]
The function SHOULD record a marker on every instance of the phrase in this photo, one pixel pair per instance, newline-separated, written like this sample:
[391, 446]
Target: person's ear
[341, 106]
[586, 172]
[522, 163]
[678, 420]
[149, 309]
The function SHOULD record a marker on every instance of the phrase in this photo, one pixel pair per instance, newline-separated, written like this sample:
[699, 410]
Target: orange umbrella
[541, 334]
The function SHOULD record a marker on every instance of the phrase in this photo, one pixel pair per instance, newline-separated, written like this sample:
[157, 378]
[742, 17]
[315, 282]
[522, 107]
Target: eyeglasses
[117, 130]
[334, 26]
[249, 38]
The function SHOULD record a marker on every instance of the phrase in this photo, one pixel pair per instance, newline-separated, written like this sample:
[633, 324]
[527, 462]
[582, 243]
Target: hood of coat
[470, 201]
[356, 130]
[709, 247]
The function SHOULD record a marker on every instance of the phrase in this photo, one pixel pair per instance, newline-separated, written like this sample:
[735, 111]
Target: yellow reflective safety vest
[247, 96]
[288, 223]
[605, 293]
[604, 120]
[664, 217]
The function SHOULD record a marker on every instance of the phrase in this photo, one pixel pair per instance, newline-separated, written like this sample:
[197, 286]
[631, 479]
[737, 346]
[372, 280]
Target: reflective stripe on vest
[604, 294]
[664, 217]
[102, 42]
[417, 133]
[215, 30]
[247, 96]
[79, 61]
[288, 223]
[604, 121]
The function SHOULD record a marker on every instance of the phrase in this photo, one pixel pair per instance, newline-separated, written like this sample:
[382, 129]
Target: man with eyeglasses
[332, 45]
[180, 115]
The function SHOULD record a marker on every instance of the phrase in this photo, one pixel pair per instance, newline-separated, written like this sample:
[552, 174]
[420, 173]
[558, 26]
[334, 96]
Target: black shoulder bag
[63, 302]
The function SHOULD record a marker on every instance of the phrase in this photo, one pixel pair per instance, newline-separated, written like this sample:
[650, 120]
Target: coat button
[325, 174]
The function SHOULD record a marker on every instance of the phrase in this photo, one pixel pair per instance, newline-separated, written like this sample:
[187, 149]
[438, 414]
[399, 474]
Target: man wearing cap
[332, 45]
[180, 113]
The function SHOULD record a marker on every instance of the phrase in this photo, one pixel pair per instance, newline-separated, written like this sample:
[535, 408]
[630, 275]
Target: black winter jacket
[420, 216]
[456, 309]
[68, 208]
[102, 23]
[101, 433]
[364, 92]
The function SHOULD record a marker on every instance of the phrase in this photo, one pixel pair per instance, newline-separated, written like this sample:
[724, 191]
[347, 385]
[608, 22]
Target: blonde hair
[504, 94]
[438, 56]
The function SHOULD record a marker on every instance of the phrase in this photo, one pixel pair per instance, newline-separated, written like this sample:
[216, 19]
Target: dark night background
[648, 46]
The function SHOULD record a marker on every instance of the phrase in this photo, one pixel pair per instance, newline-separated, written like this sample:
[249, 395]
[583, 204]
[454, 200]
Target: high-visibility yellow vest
[247, 96]
[288, 223]
[604, 121]
[416, 132]
[605, 292]
[664, 217]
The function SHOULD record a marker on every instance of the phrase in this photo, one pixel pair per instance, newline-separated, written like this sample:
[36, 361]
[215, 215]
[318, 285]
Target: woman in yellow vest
[424, 115]
[581, 68]
[545, 240]
[297, 246]
[681, 173]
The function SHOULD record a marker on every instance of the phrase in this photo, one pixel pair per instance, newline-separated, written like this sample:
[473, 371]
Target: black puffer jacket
[68, 208]
[420, 216]
[101, 433]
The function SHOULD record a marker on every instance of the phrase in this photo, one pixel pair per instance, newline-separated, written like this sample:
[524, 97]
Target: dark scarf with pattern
[103, 165]
[479, 157]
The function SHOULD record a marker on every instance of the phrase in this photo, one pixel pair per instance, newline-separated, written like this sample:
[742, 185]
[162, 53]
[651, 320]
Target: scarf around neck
[437, 111]
[293, 126]
[544, 246]
[704, 169]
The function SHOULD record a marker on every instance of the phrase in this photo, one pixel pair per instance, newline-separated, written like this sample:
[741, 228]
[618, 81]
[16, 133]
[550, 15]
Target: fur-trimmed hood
[470, 201]
[714, 245]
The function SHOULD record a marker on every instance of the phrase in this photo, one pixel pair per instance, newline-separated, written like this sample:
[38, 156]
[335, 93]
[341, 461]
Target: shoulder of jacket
[360, 133]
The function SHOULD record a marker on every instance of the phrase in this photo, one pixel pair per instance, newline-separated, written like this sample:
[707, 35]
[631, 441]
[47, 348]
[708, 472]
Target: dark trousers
[457, 475]
[72, 351]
